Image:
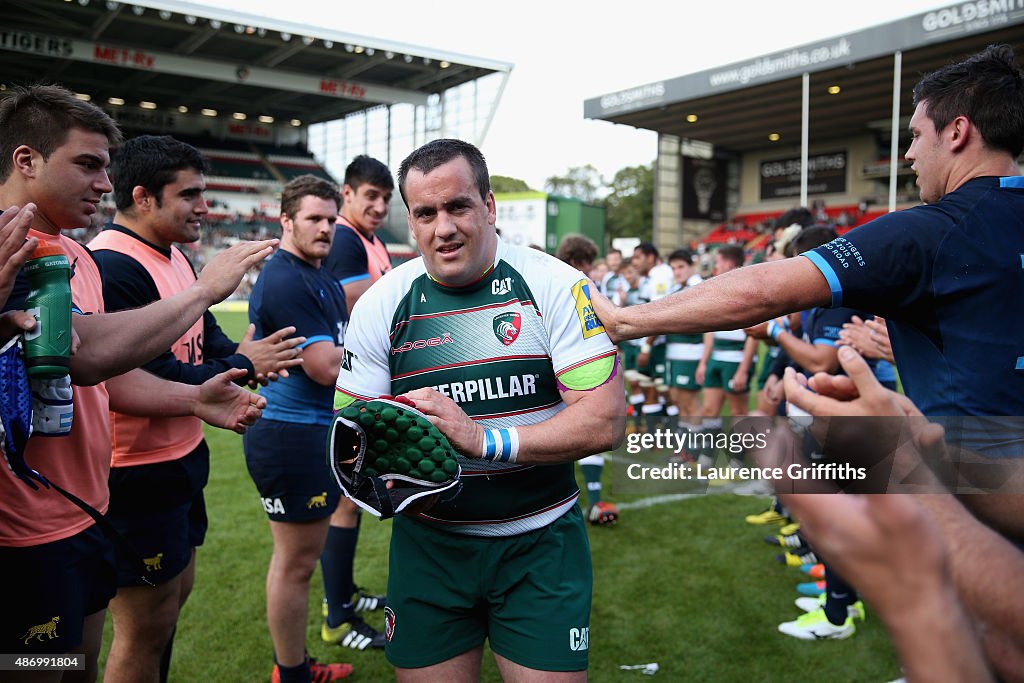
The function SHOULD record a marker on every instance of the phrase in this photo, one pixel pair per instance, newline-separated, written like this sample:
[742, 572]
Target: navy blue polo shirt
[290, 291]
[949, 279]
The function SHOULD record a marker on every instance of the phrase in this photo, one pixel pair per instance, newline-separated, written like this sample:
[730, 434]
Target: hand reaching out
[870, 339]
[224, 272]
[15, 250]
[271, 356]
[222, 403]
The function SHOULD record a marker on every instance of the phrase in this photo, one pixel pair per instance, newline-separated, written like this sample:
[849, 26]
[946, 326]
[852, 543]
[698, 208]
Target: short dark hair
[41, 116]
[647, 249]
[366, 169]
[439, 152]
[987, 88]
[799, 215]
[733, 254]
[681, 255]
[305, 186]
[151, 161]
[576, 250]
[813, 237]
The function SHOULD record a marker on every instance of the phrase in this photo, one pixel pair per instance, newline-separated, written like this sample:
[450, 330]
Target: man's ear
[141, 198]
[960, 131]
[492, 209]
[26, 160]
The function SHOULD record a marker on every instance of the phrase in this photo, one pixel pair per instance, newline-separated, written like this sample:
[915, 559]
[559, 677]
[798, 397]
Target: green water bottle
[48, 346]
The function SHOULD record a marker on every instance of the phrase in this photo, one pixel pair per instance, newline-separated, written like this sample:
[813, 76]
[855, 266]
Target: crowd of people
[523, 365]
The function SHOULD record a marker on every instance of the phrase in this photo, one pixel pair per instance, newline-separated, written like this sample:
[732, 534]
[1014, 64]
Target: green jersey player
[499, 346]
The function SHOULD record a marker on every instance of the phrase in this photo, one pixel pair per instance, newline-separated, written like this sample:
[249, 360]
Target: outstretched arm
[113, 343]
[733, 300]
[218, 401]
[813, 358]
[985, 569]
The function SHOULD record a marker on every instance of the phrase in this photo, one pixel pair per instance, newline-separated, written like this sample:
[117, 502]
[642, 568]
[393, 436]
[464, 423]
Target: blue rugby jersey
[289, 291]
[949, 279]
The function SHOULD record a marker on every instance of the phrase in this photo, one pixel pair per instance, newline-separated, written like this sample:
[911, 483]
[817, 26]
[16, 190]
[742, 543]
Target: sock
[698, 447]
[652, 414]
[336, 562]
[636, 401]
[592, 475]
[780, 508]
[704, 445]
[839, 596]
[165, 657]
[295, 674]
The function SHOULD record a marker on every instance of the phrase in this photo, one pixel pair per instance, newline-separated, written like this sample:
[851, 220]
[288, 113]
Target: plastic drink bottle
[48, 346]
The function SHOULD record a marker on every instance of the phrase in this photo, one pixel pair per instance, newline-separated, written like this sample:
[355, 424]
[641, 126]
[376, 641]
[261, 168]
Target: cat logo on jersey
[585, 310]
[506, 327]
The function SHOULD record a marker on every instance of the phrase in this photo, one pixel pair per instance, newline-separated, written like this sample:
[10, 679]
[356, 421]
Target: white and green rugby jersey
[657, 285]
[499, 348]
[728, 346]
[685, 346]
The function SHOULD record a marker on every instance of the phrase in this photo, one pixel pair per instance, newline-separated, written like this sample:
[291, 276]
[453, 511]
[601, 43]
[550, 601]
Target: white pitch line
[742, 488]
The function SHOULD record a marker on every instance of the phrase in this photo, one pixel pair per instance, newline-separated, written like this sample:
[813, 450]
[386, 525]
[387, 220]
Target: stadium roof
[738, 105]
[175, 54]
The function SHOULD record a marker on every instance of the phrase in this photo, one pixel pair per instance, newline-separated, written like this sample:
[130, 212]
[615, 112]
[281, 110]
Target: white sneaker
[816, 626]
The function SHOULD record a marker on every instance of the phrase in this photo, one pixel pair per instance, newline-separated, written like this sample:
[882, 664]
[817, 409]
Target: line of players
[134, 457]
[666, 375]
